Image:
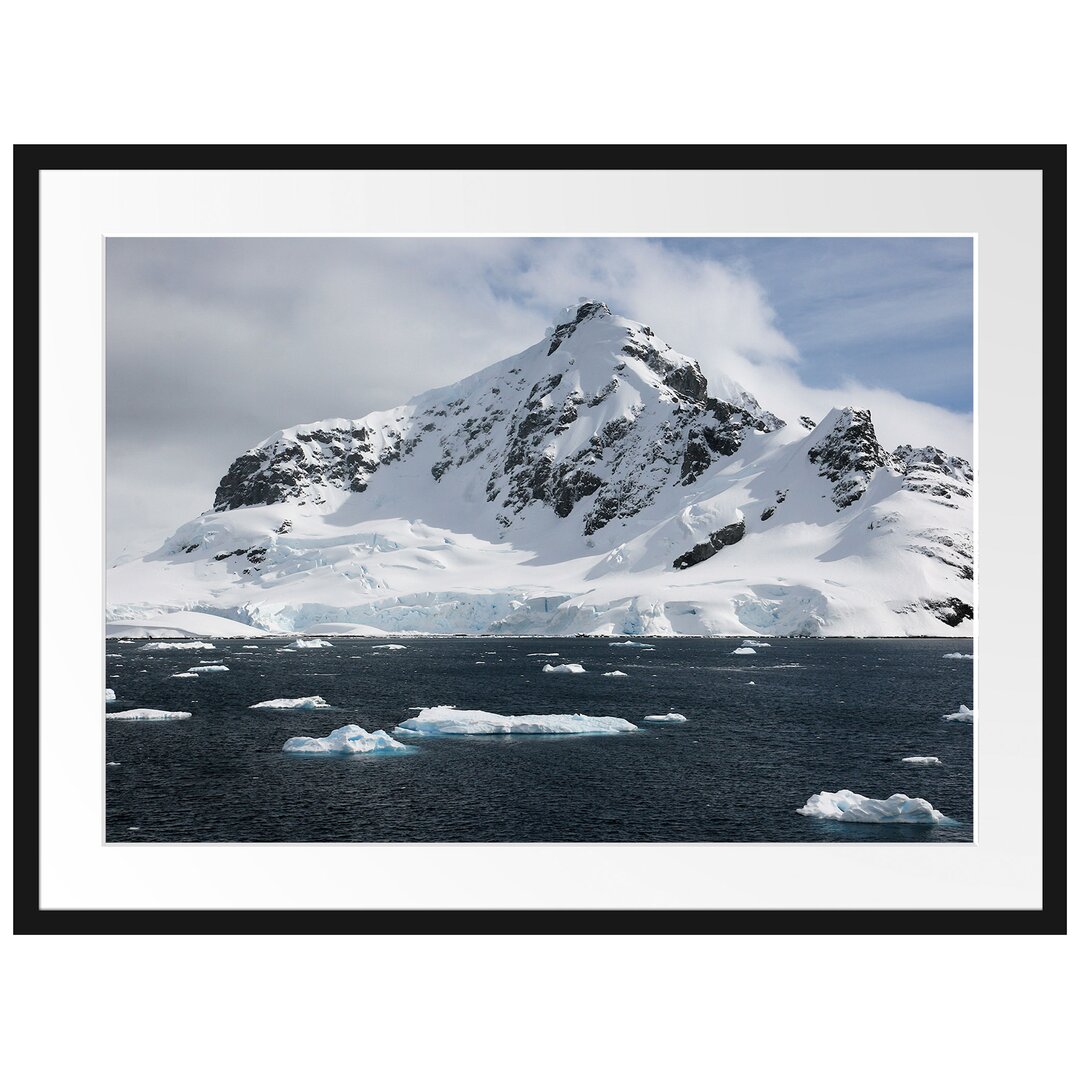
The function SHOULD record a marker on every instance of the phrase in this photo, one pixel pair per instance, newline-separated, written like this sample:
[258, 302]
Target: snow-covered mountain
[594, 483]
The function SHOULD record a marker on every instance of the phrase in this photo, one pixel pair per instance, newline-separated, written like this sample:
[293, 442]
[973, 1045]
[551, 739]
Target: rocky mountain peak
[847, 453]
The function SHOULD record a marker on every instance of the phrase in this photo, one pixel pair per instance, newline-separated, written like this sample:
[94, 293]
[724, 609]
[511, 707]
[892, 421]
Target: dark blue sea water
[823, 715]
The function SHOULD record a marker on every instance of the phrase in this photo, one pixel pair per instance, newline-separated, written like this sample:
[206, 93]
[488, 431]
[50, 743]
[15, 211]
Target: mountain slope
[594, 483]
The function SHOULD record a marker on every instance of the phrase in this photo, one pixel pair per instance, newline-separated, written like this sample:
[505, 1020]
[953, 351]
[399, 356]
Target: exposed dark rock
[951, 611]
[566, 330]
[684, 378]
[768, 513]
[725, 537]
[696, 459]
[848, 455]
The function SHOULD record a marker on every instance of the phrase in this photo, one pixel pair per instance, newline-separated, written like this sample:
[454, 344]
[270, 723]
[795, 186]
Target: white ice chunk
[249, 646]
[389, 646]
[315, 702]
[158, 646]
[312, 643]
[744, 650]
[564, 669]
[446, 720]
[350, 739]
[847, 806]
[542, 654]
[207, 667]
[110, 694]
[667, 718]
[756, 645]
[922, 760]
[631, 645]
[615, 674]
[958, 656]
[964, 715]
[192, 674]
[148, 714]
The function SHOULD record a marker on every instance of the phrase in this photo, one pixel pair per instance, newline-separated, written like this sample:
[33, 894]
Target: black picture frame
[31, 160]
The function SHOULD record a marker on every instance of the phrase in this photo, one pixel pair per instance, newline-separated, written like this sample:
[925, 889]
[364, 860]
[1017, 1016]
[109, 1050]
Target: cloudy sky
[213, 344]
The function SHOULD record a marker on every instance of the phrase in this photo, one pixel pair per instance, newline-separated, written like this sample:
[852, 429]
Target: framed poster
[482, 536]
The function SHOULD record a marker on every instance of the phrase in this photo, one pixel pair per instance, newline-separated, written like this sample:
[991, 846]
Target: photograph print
[540, 539]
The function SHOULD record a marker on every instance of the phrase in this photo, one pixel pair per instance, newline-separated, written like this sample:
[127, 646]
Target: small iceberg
[147, 714]
[563, 669]
[922, 760]
[958, 656]
[110, 694]
[667, 718]
[350, 739]
[756, 645]
[964, 715]
[446, 720]
[744, 650]
[315, 702]
[630, 645]
[389, 646]
[206, 667]
[542, 654]
[249, 646]
[311, 643]
[158, 646]
[847, 806]
[614, 674]
[192, 674]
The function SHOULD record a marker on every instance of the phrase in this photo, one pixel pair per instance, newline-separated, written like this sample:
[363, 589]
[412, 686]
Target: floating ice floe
[958, 656]
[112, 762]
[667, 718]
[389, 646]
[563, 669]
[114, 656]
[185, 675]
[615, 675]
[847, 806]
[311, 643]
[751, 683]
[110, 694]
[159, 646]
[206, 667]
[630, 645]
[350, 739]
[249, 646]
[964, 715]
[147, 714]
[314, 702]
[542, 654]
[922, 760]
[756, 645]
[446, 720]
[744, 650]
